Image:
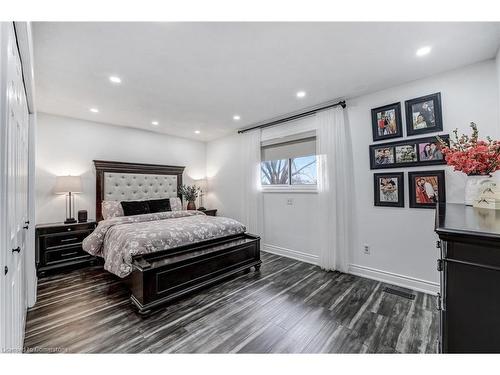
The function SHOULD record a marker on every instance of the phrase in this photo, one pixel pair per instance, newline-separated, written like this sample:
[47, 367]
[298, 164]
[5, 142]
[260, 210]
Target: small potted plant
[190, 193]
[478, 159]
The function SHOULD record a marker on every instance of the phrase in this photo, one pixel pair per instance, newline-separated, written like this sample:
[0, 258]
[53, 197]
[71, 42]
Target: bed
[164, 255]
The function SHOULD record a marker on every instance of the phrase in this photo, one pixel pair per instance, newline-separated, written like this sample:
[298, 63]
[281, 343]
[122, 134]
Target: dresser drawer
[64, 254]
[63, 239]
[59, 247]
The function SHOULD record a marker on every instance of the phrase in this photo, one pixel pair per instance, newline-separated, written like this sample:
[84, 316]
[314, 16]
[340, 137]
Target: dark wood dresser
[59, 246]
[470, 279]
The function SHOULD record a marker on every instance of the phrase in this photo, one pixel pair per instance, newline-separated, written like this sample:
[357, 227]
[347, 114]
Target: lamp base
[70, 220]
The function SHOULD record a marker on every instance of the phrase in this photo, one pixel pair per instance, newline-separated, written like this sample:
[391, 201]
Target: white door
[15, 119]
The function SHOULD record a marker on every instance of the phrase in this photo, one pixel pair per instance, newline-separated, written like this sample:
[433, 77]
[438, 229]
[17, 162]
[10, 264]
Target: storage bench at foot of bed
[160, 277]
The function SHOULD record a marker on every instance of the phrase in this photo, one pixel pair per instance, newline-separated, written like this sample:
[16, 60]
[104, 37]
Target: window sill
[290, 189]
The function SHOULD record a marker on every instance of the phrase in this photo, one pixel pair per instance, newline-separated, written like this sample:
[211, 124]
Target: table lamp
[202, 184]
[69, 185]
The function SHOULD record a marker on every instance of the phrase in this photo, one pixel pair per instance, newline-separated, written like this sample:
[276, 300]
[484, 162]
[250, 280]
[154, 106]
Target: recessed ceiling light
[423, 51]
[301, 94]
[115, 79]
[236, 117]
[155, 123]
[197, 132]
[94, 110]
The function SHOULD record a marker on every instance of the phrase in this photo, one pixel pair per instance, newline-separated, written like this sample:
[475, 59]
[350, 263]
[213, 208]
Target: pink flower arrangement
[471, 155]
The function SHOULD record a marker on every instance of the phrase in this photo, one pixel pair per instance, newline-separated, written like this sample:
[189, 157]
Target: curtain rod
[293, 117]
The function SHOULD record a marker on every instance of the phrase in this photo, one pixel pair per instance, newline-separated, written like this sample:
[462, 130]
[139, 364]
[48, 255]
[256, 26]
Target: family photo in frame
[389, 189]
[386, 122]
[408, 153]
[426, 188]
[424, 115]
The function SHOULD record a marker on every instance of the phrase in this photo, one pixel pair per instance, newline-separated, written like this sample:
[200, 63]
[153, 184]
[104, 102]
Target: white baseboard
[370, 273]
[294, 254]
[394, 278]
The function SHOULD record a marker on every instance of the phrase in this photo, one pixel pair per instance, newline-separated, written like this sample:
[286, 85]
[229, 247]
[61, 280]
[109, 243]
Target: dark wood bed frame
[160, 277]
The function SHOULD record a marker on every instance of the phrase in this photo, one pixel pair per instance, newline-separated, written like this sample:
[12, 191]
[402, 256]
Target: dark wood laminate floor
[289, 307]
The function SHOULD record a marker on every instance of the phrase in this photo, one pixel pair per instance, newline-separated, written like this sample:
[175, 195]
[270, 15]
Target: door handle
[16, 250]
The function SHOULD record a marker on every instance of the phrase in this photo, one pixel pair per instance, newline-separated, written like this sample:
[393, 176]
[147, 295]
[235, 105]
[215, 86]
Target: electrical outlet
[289, 202]
[366, 249]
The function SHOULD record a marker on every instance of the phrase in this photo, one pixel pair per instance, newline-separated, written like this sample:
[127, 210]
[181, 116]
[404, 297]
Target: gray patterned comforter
[119, 238]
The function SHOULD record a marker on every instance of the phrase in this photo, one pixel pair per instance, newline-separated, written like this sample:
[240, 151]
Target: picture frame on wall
[408, 153]
[424, 114]
[386, 122]
[426, 188]
[389, 189]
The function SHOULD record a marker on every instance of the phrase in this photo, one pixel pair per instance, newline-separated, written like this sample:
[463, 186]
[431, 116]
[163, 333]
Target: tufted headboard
[119, 181]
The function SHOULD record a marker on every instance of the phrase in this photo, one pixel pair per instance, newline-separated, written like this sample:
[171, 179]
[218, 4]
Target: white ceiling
[196, 76]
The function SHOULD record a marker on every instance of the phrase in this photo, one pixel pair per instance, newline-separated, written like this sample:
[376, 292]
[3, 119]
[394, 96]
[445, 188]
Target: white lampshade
[202, 184]
[66, 184]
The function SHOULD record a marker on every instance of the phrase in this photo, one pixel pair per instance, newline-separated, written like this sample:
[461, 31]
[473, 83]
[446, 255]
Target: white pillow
[175, 204]
[111, 209]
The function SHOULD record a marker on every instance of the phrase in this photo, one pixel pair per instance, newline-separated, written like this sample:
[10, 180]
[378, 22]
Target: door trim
[25, 46]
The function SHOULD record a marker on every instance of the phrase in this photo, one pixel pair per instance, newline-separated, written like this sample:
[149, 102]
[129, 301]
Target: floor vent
[400, 293]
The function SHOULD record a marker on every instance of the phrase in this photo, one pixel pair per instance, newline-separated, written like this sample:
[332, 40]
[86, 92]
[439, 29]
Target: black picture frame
[377, 201]
[441, 188]
[433, 116]
[392, 151]
[396, 107]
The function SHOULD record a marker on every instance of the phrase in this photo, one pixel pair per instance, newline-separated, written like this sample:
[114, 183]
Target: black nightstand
[59, 246]
[211, 212]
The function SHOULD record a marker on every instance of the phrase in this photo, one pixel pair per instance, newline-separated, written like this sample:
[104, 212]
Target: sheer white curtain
[252, 201]
[335, 185]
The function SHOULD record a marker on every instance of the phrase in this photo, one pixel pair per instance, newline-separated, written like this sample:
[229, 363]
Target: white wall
[68, 146]
[289, 230]
[401, 239]
[225, 177]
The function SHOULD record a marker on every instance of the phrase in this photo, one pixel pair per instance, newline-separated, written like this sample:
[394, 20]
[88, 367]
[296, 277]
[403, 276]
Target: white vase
[473, 188]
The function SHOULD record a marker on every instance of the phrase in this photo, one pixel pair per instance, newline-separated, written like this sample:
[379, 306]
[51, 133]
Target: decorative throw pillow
[111, 209]
[135, 208]
[159, 205]
[175, 204]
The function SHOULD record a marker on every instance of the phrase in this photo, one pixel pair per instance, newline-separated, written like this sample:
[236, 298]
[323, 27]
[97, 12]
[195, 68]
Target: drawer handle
[16, 250]
[439, 265]
[69, 239]
[69, 254]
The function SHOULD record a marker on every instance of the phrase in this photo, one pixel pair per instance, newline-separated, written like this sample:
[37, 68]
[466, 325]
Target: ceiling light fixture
[197, 132]
[94, 110]
[301, 94]
[423, 51]
[236, 117]
[115, 79]
[155, 123]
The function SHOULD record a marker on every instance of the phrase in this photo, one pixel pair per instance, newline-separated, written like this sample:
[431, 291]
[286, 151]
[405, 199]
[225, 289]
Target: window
[275, 172]
[304, 170]
[289, 162]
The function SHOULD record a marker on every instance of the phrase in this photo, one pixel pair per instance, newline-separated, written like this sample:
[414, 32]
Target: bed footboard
[161, 277]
